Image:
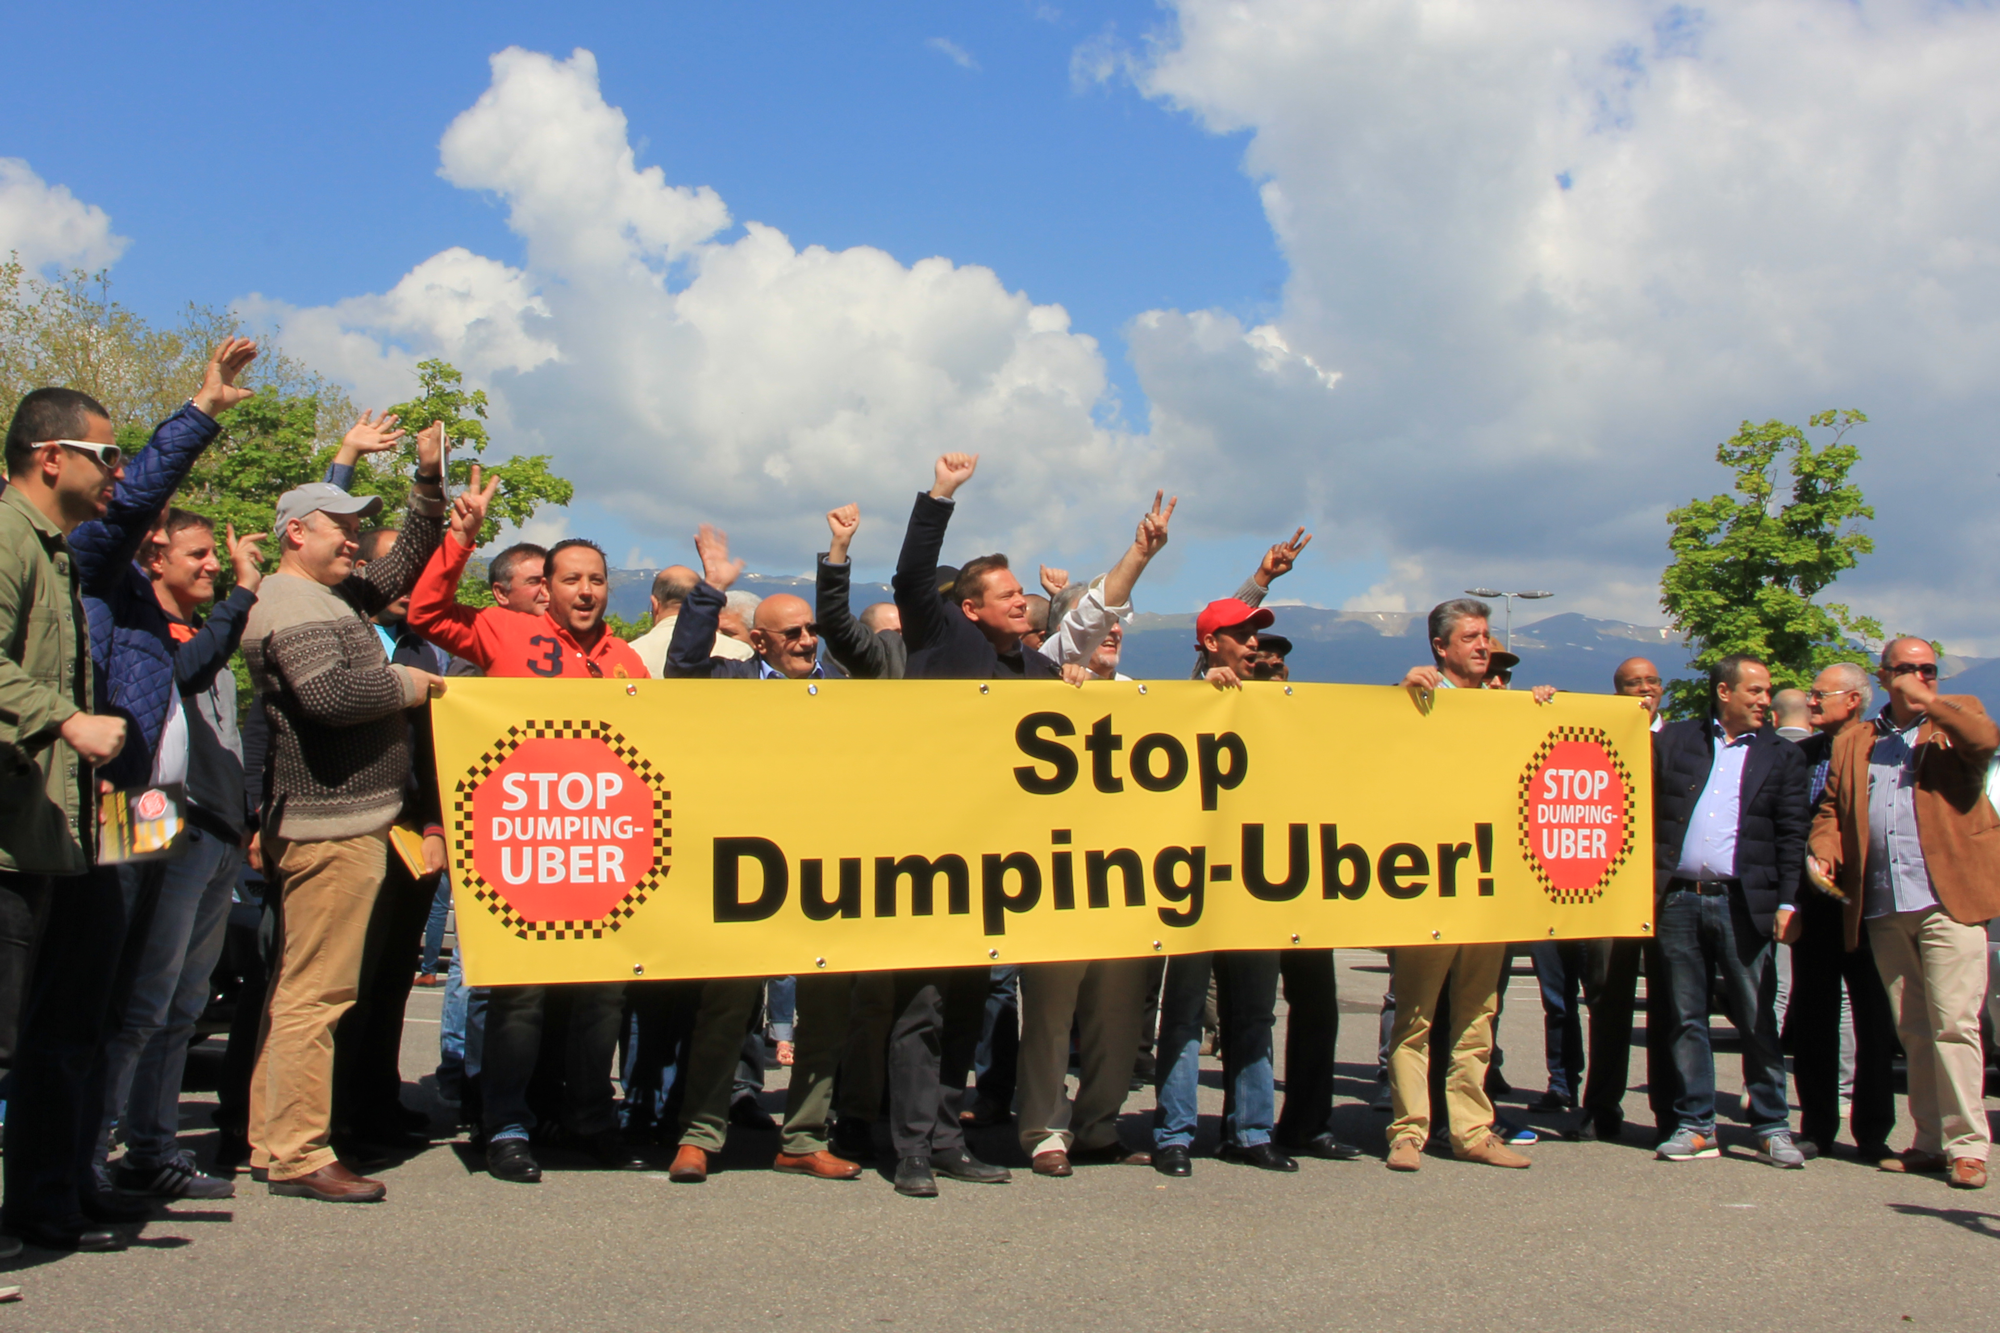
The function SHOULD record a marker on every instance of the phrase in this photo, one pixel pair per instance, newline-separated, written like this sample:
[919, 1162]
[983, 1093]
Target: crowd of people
[1856, 839]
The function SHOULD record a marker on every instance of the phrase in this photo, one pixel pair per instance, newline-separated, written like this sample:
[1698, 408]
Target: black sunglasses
[791, 633]
[1928, 670]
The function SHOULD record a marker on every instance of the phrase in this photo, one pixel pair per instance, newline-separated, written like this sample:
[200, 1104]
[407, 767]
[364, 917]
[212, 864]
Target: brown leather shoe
[1054, 1162]
[1967, 1173]
[1111, 1154]
[1491, 1152]
[1912, 1162]
[1406, 1154]
[822, 1164]
[332, 1183]
[690, 1165]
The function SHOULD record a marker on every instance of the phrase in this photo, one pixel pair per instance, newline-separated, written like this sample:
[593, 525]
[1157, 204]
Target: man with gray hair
[1826, 1061]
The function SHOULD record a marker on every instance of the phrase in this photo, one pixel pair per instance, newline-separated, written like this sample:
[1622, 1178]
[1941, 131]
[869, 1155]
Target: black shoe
[854, 1140]
[512, 1160]
[745, 1113]
[1331, 1148]
[1263, 1156]
[1871, 1152]
[914, 1178]
[962, 1165]
[609, 1150]
[1497, 1084]
[112, 1210]
[80, 1236]
[1173, 1160]
[1555, 1103]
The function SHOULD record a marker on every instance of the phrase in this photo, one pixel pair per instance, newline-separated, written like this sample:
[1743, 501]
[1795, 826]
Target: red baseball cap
[1228, 612]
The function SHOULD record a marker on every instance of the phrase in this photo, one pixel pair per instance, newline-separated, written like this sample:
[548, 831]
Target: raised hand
[245, 556]
[1223, 678]
[218, 392]
[717, 569]
[1073, 673]
[1054, 580]
[430, 452]
[468, 511]
[843, 523]
[1152, 534]
[372, 436]
[953, 471]
[1278, 561]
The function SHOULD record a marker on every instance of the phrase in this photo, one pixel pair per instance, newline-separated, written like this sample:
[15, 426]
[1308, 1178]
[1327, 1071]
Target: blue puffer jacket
[130, 644]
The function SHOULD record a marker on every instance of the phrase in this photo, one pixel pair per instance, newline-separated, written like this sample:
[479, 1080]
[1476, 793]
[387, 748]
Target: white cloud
[952, 51]
[48, 226]
[1556, 251]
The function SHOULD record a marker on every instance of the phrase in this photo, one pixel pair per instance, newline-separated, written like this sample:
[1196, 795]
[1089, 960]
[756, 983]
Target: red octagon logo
[1576, 813]
[563, 829]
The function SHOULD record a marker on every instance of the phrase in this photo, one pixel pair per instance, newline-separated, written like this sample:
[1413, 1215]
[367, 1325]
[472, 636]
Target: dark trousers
[368, 1044]
[1312, 1027]
[931, 1043]
[1702, 933]
[514, 1022]
[249, 959]
[1610, 990]
[1559, 967]
[658, 1029]
[24, 911]
[1821, 965]
[96, 924]
[997, 1061]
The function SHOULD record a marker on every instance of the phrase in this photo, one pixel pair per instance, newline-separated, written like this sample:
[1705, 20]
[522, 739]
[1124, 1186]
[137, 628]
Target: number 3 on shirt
[549, 663]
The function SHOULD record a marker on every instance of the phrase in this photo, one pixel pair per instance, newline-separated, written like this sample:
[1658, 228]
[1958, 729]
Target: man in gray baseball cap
[322, 497]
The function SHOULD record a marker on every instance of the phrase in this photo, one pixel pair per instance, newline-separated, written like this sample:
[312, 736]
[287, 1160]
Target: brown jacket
[1956, 825]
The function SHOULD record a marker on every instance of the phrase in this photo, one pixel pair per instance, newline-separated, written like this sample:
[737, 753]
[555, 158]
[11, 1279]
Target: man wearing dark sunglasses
[786, 641]
[1906, 832]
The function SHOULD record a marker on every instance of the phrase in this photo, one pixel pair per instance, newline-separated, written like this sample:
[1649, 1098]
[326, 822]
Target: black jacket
[943, 644]
[1772, 821]
[694, 634]
[862, 653]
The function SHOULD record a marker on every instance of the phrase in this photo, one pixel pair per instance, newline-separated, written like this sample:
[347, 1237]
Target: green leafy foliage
[1746, 567]
[628, 630]
[526, 483]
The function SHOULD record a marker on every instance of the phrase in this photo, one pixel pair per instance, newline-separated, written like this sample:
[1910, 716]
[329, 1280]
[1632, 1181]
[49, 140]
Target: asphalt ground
[1595, 1236]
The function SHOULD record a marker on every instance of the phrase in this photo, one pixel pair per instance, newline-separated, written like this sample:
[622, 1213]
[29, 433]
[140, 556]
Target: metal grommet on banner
[1646, 926]
[1142, 689]
[1552, 932]
[812, 689]
[992, 953]
[1295, 939]
[631, 689]
[819, 962]
[1288, 689]
[1156, 946]
[985, 688]
[1437, 934]
[638, 969]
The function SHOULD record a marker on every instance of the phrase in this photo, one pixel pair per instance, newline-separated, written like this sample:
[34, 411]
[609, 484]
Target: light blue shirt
[765, 671]
[1710, 849]
[1897, 880]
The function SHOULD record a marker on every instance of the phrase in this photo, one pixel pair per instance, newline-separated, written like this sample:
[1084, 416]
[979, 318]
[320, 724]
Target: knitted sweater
[339, 747]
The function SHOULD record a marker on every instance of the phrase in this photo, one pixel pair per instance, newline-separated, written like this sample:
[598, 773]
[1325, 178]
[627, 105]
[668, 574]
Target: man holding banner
[567, 640]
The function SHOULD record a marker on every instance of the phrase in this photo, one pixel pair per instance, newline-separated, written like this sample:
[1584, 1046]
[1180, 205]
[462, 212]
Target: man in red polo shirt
[569, 639]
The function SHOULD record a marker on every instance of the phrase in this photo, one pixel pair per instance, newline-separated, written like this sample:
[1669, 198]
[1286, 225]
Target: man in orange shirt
[569, 639]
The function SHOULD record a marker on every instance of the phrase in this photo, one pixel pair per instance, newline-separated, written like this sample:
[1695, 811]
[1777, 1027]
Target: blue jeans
[781, 1007]
[1250, 980]
[462, 1031]
[1699, 932]
[144, 1061]
[1559, 967]
[434, 927]
[996, 1064]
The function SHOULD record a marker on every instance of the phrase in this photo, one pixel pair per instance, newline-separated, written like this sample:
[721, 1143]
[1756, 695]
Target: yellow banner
[605, 830]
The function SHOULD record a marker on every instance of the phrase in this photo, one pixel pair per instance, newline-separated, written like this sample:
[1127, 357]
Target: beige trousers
[1420, 973]
[1106, 998]
[1935, 971]
[327, 890]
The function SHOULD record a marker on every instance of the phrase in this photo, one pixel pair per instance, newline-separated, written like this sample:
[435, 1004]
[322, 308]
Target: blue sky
[295, 154]
[1472, 291]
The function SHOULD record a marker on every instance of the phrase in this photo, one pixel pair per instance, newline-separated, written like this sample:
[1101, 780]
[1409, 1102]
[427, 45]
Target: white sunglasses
[108, 456]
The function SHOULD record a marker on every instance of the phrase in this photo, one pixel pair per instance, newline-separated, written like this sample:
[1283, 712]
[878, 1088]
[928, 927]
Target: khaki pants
[1106, 998]
[1935, 972]
[1419, 976]
[327, 891]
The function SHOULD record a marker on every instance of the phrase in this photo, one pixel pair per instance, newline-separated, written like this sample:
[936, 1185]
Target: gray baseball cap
[304, 501]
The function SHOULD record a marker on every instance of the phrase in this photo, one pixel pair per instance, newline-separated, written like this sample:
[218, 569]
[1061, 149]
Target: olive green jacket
[46, 824]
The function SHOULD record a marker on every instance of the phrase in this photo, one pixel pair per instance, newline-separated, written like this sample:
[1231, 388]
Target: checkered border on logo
[1590, 893]
[495, 898]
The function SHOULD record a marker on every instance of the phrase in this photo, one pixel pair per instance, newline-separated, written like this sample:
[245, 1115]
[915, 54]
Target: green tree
[526, 483]
[1746, 567]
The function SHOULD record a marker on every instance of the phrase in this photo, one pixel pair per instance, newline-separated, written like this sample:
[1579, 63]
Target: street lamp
[1508, 642]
